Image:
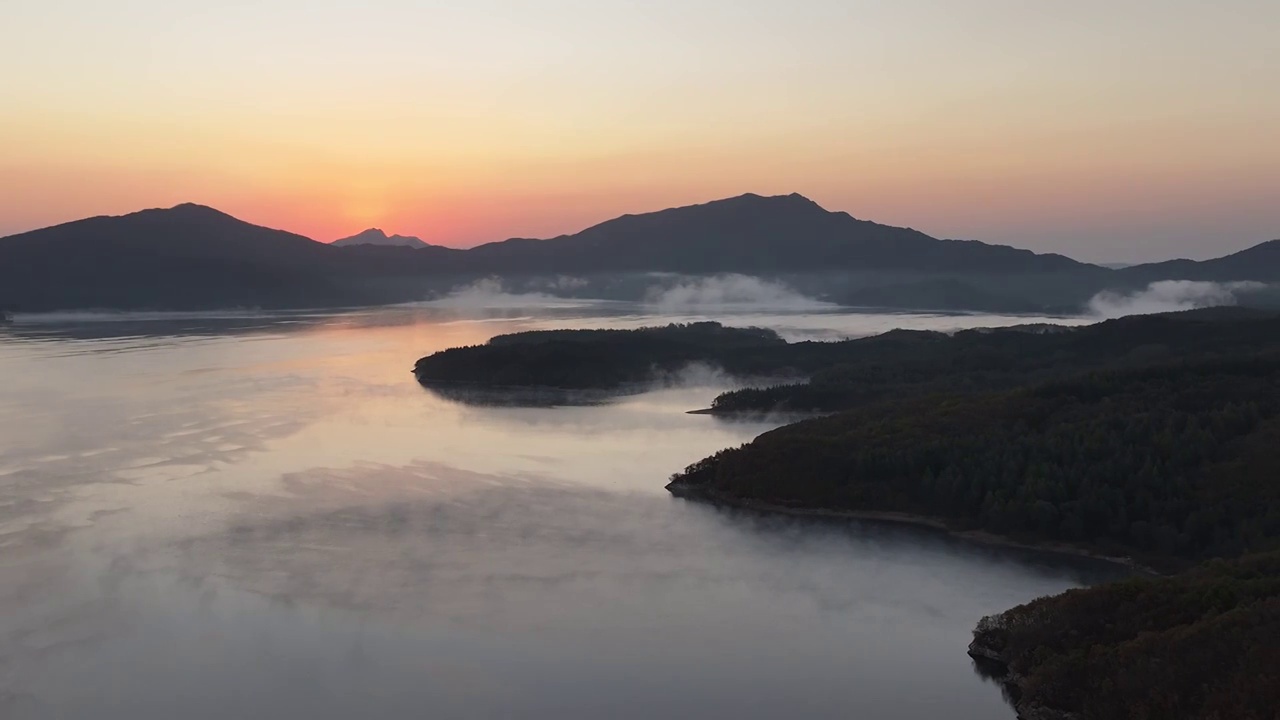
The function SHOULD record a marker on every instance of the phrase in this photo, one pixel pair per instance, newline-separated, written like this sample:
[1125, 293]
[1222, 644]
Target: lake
[246, 515]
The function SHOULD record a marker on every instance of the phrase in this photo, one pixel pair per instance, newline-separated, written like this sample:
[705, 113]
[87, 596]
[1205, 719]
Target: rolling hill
[1259, 263]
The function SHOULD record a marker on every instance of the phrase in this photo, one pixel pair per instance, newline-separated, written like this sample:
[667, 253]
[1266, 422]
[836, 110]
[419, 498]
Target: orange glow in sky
[1106, 131]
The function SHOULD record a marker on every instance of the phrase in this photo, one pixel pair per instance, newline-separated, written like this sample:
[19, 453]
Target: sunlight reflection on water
[265, 516]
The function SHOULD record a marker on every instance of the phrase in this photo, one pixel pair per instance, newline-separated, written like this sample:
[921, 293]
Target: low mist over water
[241, 515]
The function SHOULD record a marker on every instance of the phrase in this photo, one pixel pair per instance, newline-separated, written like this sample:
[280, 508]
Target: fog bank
[1170, 296]
[730, 291]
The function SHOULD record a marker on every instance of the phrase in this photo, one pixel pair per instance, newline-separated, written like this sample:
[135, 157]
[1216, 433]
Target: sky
[1111, 131]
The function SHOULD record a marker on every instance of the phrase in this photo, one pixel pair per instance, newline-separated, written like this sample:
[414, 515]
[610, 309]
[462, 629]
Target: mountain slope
[1259, 263]
[755, 234]
[185, 257]
[192, 256]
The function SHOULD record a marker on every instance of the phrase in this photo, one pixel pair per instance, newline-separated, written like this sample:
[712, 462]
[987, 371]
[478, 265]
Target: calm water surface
[266, 517]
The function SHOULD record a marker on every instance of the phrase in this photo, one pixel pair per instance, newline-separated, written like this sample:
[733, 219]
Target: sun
[365, 210]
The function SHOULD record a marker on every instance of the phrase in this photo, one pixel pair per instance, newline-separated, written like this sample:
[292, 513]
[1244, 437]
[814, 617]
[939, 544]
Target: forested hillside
[600, 359]
[1202, 645]
[1168, 460]
[903, 364]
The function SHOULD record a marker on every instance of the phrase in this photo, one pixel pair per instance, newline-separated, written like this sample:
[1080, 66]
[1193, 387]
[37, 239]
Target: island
[602, 359]
[808, 377]
[1147, 440]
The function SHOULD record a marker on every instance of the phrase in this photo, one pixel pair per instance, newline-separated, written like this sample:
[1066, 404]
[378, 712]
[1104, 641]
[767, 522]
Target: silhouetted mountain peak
[372, 234]
[186, 256]
[191, 211]
[752, 233]
[186, 227]
[375, 236]
[747, 200]
[194, 207]
[192, 255]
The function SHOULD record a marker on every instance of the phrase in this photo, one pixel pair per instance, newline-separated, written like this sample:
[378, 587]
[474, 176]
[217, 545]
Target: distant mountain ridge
[753, 233]
[193, 257]
[1260, 262]
[375, 236]
[186, 257]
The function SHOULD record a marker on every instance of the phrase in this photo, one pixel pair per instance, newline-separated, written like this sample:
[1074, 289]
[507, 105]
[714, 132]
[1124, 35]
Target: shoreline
[916, 520]
[790, 415]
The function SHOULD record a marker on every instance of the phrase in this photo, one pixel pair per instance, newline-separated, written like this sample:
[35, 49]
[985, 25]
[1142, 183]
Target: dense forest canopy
[904, 363]
[827, 376]
[1167, 460]
[600, 359]
[1202, 645]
